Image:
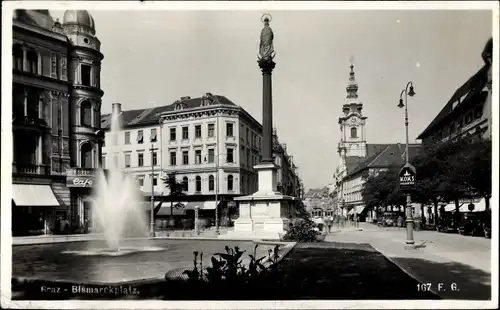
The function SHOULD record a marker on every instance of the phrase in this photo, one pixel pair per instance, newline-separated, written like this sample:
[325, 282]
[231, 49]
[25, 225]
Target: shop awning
[209, 205]
[359, 209]
[31, 195]
[479, 205]
[147, 204]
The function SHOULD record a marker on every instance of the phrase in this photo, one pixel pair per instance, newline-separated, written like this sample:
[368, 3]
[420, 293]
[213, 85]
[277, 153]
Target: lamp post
[407, 91]
[152, 222]
[216, 155]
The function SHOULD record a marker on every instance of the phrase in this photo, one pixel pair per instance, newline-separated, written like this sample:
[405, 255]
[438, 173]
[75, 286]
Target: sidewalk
[448, 274]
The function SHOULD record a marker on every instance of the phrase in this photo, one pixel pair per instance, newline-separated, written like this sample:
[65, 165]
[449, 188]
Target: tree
[176, 191]
[479, 169]
[381, 189]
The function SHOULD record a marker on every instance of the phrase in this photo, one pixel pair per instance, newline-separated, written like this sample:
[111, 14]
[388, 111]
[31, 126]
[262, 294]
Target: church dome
[80, 18]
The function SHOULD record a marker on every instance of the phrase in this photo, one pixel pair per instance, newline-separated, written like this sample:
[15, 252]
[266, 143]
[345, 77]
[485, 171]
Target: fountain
[116, 203]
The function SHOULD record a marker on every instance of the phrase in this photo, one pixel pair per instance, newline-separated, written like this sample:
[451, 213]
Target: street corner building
[56, 119]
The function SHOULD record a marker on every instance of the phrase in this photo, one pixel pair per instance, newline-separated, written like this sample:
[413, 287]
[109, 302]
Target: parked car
[389, 219]
[475, 224]
[448, 222]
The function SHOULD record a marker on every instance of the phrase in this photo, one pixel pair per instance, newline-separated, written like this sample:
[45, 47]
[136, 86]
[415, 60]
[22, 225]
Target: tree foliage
[176, 190]
[446, 172]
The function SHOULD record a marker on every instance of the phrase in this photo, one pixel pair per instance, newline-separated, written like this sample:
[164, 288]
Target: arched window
[354, 132]
[86, 155]
[17, 57]
[185, 184]
[211, 183]
[230, 181]
[198, 183]
[32, 58]
[86, 114]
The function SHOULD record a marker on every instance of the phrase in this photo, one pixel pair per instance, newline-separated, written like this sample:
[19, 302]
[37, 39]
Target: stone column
[25, 59]
[25, 102]
[267, 67]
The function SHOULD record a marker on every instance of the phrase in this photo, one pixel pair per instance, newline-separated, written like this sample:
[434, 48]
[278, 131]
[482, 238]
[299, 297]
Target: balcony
[76, 171]
[30, 123]
[30, 169]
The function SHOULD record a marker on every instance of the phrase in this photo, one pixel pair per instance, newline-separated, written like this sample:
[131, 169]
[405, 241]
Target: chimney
[185, 98]
[117, 108]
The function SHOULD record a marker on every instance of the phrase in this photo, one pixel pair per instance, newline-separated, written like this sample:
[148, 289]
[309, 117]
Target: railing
[76, 171]
[30, 169]
[30, 120]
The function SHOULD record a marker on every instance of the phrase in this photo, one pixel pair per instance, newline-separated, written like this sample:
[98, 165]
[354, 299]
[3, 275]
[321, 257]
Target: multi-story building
[56, 118]
[287, 178]
[468, 113]
[210, 143]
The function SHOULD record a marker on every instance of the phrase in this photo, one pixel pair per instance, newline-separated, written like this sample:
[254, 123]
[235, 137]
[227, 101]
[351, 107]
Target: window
[185, 157]
[172, 134]
[197, 156]
[173, 158]
[155, 159]
[85, 74]
[230, 180]
[198, 183]
[155, 181]
[127, 160]
[185, 133]
[211, 183]
[185, 184]
[478, 112]
[153, 135]
[86, 155]
[248, 136]
[197, 131]
[140, 136]
[354, 132]
[229, 130]
[32, 58]
[211, 155]
[468, 118]
[230, 156]
[86, 114]
[127, 137]
[17, 57]
[103, 162]
[140, 181]
[140, 160]
[211, 130]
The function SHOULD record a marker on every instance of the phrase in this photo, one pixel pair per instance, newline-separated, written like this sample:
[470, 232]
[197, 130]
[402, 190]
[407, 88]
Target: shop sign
[80, 182]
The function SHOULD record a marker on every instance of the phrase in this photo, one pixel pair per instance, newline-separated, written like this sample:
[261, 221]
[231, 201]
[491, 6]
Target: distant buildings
[320, 202]
[55, 118]
[468, 113]
[210, 143]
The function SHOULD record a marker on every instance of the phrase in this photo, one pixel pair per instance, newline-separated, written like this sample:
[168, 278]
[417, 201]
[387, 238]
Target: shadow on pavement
[458, 281]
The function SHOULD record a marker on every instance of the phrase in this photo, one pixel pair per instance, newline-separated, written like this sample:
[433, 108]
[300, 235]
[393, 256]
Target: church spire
[352, 86]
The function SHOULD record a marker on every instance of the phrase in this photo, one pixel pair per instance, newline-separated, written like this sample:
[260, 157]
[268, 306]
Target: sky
[152, 58]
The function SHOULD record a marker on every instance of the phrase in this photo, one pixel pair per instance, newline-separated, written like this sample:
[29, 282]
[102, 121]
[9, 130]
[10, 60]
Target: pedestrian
[400, 221]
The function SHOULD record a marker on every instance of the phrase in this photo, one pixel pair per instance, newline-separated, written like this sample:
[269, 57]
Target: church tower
[352, 123]
[84, 70]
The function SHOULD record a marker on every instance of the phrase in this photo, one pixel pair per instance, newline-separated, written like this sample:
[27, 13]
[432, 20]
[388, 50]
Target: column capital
[266, 65]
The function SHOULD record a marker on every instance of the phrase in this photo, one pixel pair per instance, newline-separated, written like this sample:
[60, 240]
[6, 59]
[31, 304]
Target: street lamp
[152, 222]
[407, 91]
[216, 189]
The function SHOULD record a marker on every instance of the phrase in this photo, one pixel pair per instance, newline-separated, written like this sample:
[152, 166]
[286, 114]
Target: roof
[371, 149]
[469, 89]
[317, 193]
[151, 116]
[385, 156]
[40, 18]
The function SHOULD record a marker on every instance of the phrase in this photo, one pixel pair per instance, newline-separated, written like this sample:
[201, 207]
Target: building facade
[56, 118]
[287, 177]
[468, 113]
[210, 143]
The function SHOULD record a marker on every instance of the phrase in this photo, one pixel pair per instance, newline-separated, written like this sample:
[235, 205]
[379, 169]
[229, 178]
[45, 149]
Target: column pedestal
[267, 213]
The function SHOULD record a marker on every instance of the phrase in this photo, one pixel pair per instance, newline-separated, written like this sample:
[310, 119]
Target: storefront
[81, 191]
[33, 209]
